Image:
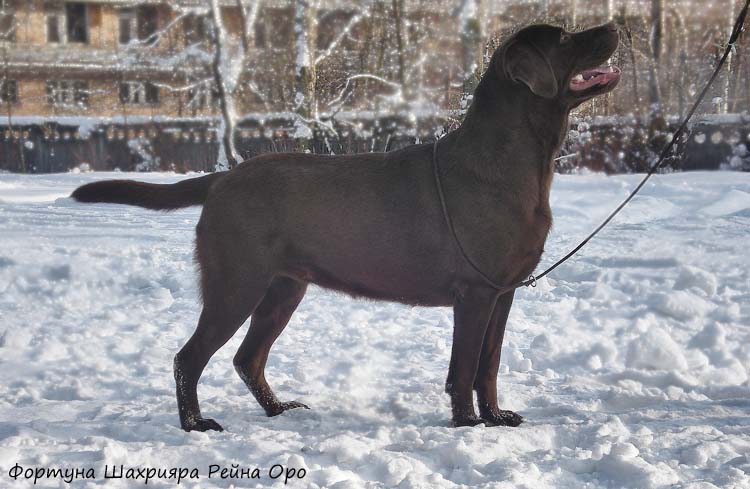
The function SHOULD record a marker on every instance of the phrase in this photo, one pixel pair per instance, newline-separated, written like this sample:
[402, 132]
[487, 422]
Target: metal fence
[612, 145]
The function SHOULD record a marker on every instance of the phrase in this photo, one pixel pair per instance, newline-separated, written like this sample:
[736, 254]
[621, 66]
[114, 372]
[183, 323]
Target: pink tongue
[597, 76]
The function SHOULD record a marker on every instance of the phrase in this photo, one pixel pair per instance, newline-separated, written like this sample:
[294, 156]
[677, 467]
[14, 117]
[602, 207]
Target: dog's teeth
[578, 78]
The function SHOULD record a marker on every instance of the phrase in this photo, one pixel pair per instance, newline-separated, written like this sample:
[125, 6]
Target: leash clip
[531, 281]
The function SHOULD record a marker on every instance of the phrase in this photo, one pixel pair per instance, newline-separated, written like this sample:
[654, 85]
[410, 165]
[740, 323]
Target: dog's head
[558, 65]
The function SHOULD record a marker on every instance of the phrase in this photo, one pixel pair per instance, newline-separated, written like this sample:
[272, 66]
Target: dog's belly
[375, 289]
[377, 273]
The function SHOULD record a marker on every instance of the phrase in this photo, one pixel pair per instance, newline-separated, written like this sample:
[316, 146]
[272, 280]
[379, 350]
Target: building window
[77, 22]
[152, 94]
[140, 23]
[197, 29]
[133, 92]
[8, 91]
[147, 20]
[260, 35]
[203, 96]
[127, 26]
[7, 26]
[66, 93]
[70, 24]
[55, 27]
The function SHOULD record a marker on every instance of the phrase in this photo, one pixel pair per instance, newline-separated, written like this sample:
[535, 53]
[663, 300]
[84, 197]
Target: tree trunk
[656, 46]
[248, 17]
[398, 17]
[227, 137]
[730, 60]
[683, 70]
[471, 39]
[634, 67]
[305, 37]
[9, 107]
[657, 127]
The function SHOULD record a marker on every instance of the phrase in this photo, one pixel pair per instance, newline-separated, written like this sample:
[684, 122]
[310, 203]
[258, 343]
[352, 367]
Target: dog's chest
[529, 247]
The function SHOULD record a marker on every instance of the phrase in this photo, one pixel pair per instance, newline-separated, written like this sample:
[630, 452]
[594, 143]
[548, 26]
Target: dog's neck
[508, 137]
[491, 134]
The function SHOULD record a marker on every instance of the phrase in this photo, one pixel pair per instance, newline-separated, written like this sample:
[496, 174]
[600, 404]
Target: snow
[733, 201]
[630, 363]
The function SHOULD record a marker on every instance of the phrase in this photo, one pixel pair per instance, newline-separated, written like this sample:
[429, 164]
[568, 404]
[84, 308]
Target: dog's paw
[502, 417]
[202, 424]
[279, 408]
[467, 421]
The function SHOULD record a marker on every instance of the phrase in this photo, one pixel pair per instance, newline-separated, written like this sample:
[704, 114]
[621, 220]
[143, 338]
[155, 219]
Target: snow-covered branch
[249, 18]
[152, 38]
[356, 19]
[183, 88]
[364, 76]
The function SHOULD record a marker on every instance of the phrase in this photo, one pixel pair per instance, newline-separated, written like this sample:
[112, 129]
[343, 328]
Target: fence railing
[613, 145]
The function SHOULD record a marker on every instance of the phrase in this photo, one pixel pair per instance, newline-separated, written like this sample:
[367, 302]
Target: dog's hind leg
[231, 291]
[267, 323]
[485, 383]
[217, 324]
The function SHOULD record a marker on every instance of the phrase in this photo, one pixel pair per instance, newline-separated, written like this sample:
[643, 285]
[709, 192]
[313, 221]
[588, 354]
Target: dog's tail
[160, 197]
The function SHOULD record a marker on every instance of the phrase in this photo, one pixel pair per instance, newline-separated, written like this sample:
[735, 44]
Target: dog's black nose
[611, 27]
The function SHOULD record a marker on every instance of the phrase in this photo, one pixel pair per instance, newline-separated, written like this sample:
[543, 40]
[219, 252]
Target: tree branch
[356, 19]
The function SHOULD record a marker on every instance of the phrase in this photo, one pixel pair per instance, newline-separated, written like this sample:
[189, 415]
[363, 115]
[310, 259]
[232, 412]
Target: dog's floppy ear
[523, 63]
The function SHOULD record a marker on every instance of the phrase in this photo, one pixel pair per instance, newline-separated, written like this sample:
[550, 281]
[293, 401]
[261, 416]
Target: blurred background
[188, 85]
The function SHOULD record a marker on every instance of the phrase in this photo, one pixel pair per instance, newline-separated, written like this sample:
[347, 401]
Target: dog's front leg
[486, 381]
[471, 314]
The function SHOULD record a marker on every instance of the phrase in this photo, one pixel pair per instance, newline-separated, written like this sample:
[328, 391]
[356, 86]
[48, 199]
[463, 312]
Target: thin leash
[531, 281]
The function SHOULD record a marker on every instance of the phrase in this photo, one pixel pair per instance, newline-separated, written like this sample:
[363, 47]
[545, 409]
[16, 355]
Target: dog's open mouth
[596, 77]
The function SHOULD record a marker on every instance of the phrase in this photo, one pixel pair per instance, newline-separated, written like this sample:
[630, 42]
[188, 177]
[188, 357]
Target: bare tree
[308, 59]
[226, 101]
[398, 18]
[731, 14]
[472, 34]
[656, 47]
[249, 16]
[7, 87]
[305, 37]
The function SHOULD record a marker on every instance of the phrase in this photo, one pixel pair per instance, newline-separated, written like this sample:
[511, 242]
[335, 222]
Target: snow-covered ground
[630, 364]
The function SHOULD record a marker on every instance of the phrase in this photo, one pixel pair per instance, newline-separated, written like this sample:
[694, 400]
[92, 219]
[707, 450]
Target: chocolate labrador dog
[372, 225]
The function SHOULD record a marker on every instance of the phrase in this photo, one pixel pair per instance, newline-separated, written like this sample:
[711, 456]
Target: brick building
[139, 72]
[105, 58]
[149, 58]
[102, 58]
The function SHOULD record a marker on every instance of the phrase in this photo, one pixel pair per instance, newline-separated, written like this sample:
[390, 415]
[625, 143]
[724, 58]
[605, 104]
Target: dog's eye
[564, 38]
